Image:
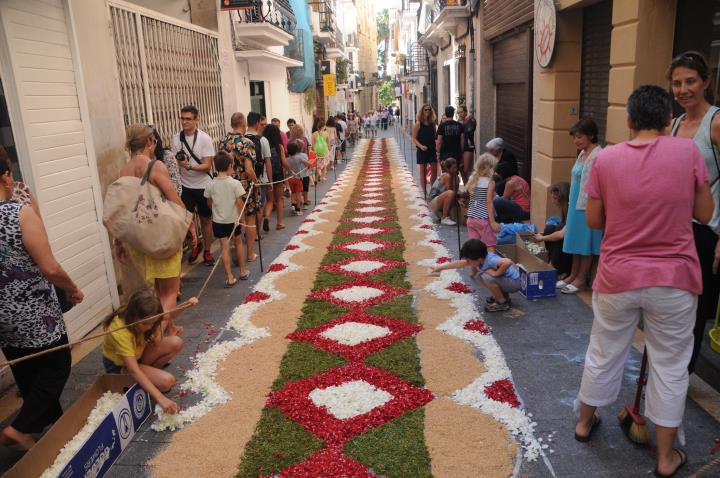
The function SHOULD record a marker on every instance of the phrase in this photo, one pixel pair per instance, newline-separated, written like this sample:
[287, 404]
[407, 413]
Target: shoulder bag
[136, 212]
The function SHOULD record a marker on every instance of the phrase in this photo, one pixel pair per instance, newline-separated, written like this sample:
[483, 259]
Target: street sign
[329, 86]
[237, 4]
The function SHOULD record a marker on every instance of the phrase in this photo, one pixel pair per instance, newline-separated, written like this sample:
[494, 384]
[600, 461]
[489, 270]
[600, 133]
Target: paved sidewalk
[544, 342]
[202, 328]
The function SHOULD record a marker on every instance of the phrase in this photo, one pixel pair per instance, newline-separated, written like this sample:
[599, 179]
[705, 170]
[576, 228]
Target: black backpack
[259, 162]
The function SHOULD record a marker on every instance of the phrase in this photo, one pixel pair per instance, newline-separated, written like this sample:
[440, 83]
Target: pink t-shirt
[648, 193]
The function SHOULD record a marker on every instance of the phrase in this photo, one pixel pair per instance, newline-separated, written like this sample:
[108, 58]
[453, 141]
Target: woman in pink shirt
[514, 204]
[644, 193]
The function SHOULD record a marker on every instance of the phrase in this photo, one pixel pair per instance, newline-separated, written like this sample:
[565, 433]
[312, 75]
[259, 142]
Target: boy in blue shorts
[499, 274]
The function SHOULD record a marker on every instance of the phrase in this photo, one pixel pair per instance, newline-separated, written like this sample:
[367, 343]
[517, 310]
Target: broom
[632, 422]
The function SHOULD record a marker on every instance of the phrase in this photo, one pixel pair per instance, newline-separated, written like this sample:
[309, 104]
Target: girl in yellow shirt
[140, 349]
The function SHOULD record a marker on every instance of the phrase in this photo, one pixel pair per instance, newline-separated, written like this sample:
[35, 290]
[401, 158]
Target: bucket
[715, 331]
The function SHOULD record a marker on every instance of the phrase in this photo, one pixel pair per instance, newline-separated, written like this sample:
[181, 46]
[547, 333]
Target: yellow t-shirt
[122, 343]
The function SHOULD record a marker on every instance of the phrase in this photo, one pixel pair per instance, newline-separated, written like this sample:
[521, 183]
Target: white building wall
[51, 128]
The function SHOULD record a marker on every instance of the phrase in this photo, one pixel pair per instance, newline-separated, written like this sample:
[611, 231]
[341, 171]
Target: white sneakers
[448, 222]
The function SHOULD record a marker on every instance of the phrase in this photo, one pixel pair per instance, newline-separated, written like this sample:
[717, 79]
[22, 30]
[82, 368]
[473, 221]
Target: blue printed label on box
[537, 284]
[104, 446]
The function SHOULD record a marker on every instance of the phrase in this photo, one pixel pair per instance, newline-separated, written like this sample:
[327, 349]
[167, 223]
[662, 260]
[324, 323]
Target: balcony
[416, 64]
[445, 18]
[269, 23]
[324, 25]
[351, 41]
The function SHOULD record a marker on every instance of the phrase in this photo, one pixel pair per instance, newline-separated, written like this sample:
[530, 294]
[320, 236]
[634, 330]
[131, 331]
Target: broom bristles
[633, 425]
[639, 434]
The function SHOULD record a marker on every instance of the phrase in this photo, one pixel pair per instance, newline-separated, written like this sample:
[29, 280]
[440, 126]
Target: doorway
[257, 97]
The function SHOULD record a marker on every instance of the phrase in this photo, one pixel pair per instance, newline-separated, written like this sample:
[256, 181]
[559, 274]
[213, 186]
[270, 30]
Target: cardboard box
[107, 442]
[537, 278]
[520, 239]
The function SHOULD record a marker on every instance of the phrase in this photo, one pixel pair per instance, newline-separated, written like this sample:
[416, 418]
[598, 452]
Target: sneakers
[306, 205]
[448, 222]
[195, 252]
[208, 259]
[266, 225]
[497, 306]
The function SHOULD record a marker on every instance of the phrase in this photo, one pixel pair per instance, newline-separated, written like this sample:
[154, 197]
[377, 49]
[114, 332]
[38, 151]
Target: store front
[505, 26]
[595, 66]
[513, 92]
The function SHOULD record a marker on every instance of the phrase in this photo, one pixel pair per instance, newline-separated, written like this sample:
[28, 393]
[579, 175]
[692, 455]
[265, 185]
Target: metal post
[259, 238]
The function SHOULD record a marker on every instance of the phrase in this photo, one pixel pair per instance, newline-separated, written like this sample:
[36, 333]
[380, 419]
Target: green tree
[383, 36]
[341, 71]
[385, 93]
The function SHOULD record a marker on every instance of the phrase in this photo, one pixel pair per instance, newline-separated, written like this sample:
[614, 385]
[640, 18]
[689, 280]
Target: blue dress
[579, 238]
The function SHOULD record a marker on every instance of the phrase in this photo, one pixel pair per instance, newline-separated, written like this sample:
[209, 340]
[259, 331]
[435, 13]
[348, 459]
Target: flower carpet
[353, 360]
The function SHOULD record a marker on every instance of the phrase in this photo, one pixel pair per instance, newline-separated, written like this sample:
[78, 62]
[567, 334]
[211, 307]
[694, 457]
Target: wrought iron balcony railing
[417, 60]
[276, 12]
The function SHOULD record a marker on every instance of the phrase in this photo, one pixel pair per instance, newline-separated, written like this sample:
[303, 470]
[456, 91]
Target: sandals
[229, 284]
[596, 423]
[570, 289]
[683, 461]
[244, 277]
[561, 284]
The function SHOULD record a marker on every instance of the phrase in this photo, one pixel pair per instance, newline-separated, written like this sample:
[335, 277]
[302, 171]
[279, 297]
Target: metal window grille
[164, 66]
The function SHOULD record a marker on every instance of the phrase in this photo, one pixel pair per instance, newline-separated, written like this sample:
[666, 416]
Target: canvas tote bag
[136, 212]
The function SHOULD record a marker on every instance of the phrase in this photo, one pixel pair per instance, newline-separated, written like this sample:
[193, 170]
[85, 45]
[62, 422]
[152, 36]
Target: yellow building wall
[641, 48]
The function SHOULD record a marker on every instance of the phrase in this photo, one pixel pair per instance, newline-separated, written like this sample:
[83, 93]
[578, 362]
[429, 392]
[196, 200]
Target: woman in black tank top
[423, 135]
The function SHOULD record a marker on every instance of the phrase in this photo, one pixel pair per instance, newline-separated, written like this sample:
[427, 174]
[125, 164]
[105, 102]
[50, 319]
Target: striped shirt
[477, 209]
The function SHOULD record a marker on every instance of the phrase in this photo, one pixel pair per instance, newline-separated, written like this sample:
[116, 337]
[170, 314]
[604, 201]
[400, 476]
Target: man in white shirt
[194, 151]
[254, 133]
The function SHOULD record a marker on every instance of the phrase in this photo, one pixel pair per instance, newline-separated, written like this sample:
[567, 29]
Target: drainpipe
[470, 101]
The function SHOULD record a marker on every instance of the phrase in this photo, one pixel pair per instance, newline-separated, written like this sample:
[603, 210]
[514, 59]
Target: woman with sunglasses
[691, 84]
[423, 135]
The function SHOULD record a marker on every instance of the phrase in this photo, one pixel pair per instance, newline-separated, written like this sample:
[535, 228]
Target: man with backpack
[194, 151]
[263, 163]
[242, 150]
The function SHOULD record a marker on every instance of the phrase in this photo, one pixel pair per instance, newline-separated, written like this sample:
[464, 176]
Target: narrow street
[544, 342]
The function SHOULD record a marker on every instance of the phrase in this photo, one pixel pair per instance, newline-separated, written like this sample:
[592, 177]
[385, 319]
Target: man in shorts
[242, 150]
[194, 151]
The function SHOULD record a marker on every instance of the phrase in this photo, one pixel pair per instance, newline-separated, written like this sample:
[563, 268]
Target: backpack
[259, 162]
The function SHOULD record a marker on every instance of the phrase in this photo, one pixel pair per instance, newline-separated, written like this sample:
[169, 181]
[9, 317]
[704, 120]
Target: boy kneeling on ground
[499, 274]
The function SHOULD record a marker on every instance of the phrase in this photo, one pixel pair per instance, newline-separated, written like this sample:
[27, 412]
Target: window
[7, 140]
[257, 97]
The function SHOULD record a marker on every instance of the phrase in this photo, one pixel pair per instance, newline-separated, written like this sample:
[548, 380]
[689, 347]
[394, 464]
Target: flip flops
[570, 289]
[244, 277]
[561, 284]
[683, 461]
[586, 438]
[229, 284]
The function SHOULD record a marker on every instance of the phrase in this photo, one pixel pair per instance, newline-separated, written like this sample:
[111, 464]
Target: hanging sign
[329, 86]
[545, 32]
[237, 4]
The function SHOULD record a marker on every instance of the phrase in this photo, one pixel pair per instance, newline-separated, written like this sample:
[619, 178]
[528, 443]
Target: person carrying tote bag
[136, 211]
[148, 220]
